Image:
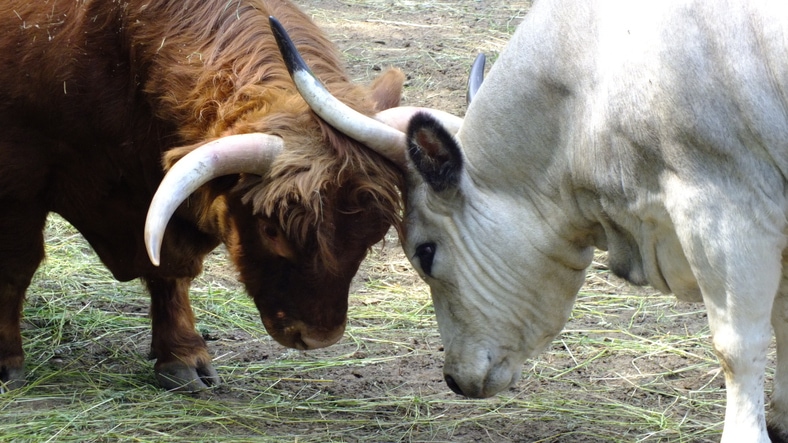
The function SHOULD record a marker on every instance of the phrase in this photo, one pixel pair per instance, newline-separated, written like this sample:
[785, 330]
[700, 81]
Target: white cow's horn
[400, 116]
[249, 153]
[476, 77]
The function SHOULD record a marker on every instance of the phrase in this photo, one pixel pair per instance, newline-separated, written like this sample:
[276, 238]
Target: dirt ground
[634, 371]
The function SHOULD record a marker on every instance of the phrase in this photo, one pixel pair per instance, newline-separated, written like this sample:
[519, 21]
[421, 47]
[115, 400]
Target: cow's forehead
[427, 213]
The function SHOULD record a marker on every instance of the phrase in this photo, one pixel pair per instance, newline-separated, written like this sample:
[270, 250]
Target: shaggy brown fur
[250, 93]
[95, 95]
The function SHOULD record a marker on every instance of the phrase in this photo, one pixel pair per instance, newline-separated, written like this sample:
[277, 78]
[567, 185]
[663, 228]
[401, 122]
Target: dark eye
[270, 231]
[426, 253]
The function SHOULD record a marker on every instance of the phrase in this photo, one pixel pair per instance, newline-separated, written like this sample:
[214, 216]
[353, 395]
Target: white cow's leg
[778, 413]
[736, 259]
[741, 342]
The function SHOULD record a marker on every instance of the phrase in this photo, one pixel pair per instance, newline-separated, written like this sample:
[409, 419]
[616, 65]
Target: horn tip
[287, 48]
[153, 247]
[476, 77]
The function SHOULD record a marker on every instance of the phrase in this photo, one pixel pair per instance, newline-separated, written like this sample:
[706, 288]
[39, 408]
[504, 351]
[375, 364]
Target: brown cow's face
[299, 229]
[302, 299]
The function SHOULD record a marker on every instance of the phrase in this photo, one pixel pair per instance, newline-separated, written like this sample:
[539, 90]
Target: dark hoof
[11, 378]
[177, 376]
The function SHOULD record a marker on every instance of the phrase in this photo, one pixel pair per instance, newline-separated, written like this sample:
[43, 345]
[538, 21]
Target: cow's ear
[387, 89]
[434, 152]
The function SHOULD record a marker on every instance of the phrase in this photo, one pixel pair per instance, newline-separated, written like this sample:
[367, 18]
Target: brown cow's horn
[249, 153]
[384, 139]
[385, 133]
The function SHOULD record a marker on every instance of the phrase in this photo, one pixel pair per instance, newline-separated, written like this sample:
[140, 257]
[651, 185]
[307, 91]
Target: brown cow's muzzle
[297, 334]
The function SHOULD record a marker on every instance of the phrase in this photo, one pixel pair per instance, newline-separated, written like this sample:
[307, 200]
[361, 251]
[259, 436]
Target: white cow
[656, 130]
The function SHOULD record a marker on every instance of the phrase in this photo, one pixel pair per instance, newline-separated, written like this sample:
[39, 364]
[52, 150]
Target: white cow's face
[500, 290]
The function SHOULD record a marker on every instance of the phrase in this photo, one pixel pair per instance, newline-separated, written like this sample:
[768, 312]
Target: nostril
[453, 384]
[298, 342]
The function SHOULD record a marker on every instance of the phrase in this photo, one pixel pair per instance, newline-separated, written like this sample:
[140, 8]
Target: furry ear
[387, 89]
[434, 152]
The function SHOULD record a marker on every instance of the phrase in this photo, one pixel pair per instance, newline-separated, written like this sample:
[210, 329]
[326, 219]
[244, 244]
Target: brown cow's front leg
[22, 247]
[12, 359]
[182, 359]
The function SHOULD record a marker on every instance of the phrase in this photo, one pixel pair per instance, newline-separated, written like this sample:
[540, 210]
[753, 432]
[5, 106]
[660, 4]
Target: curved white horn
[383, 139]
[250, 153]
[385, 133]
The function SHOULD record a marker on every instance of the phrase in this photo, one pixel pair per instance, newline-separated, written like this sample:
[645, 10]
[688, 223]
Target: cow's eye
[426, 253]
[271, 232]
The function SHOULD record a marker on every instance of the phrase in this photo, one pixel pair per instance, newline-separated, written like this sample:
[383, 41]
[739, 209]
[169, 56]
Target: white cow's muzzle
[482, 373]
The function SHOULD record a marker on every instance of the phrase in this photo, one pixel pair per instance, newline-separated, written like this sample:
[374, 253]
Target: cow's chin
[299, 335]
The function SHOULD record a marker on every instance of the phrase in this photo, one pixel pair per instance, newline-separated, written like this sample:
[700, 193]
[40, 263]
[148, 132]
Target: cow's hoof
[177, 376]
[11, 378]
